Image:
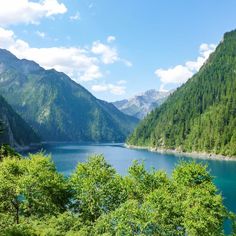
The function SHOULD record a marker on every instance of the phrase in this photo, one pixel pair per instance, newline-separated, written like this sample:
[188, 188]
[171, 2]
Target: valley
[117, 118]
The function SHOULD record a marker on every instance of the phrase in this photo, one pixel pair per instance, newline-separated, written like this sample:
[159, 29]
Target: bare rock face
[142, 104]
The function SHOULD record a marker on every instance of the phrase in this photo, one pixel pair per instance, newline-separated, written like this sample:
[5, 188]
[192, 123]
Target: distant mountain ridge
[16, 132]
[58, 108]
[140, 105]
[199, 116]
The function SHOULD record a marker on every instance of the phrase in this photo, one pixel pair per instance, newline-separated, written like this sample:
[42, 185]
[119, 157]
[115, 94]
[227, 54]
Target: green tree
[204, 213]
[45, 191]
[131, 218]
[97, 189]
[36, 200]
[187, 204]
[139, 182]
[60, 225]
[203, 210]
[232, 217]
[31, 187]
[167, 212]
[191, 174]
[7, 151]
[12, 170]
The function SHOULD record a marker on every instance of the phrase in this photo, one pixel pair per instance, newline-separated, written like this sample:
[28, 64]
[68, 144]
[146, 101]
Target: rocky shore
[199, 155]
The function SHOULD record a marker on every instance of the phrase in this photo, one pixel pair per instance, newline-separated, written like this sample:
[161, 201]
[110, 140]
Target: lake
[67, 155]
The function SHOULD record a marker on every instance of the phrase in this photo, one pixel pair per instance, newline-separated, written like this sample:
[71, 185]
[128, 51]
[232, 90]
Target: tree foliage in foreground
[95, 200]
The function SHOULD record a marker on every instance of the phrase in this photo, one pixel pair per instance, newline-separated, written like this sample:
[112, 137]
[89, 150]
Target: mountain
[58, 108]
[16, 131]
[140, 105]
[200, 115]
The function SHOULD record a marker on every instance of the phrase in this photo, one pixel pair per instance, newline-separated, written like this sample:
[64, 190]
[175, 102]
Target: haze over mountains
[201, 114]
[58, 108]
[141, 104]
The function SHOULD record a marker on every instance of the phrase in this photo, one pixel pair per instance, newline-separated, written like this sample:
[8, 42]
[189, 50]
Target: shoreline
[33, 146]
[38, 146]
[195, 155]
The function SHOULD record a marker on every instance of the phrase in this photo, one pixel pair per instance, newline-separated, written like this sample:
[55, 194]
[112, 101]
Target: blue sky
[117, 48]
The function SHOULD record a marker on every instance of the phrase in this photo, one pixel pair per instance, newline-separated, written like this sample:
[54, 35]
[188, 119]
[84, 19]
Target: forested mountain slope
[56, 107]
[14, 130]
[201, 115]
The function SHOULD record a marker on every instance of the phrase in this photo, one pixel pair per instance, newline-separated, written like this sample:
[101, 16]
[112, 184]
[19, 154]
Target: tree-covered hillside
[13, 129]
[58, 108]
[201, 114]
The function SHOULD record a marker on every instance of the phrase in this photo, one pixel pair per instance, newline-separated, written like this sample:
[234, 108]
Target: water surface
[67, 155]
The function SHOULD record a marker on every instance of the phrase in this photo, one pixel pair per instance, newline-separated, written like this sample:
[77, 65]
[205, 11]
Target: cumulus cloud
[111, 38]
[108, 54]
[115, 89]
[26, 11]
[41, 34]
[7, 38]
[127, 63]
[74, 61]
[181, 73]
[75, 17]
[122, 82]
[79, 63]
[176, 75]
[91, 73]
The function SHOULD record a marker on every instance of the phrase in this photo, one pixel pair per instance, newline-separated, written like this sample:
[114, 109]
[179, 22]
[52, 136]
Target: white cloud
[127, 63]
[41, 34]
[75, 17]
[74, 61]
[175, 75]
[112, 88]
[79, 63]
[99, 88]
[111, 38]
[6, 38]
[122, 82]
[91, 73]
[108, 54]
[181, 73]
[26, 11]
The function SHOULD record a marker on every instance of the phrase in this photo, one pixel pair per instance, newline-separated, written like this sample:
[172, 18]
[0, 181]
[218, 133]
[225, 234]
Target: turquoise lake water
[67, 155]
